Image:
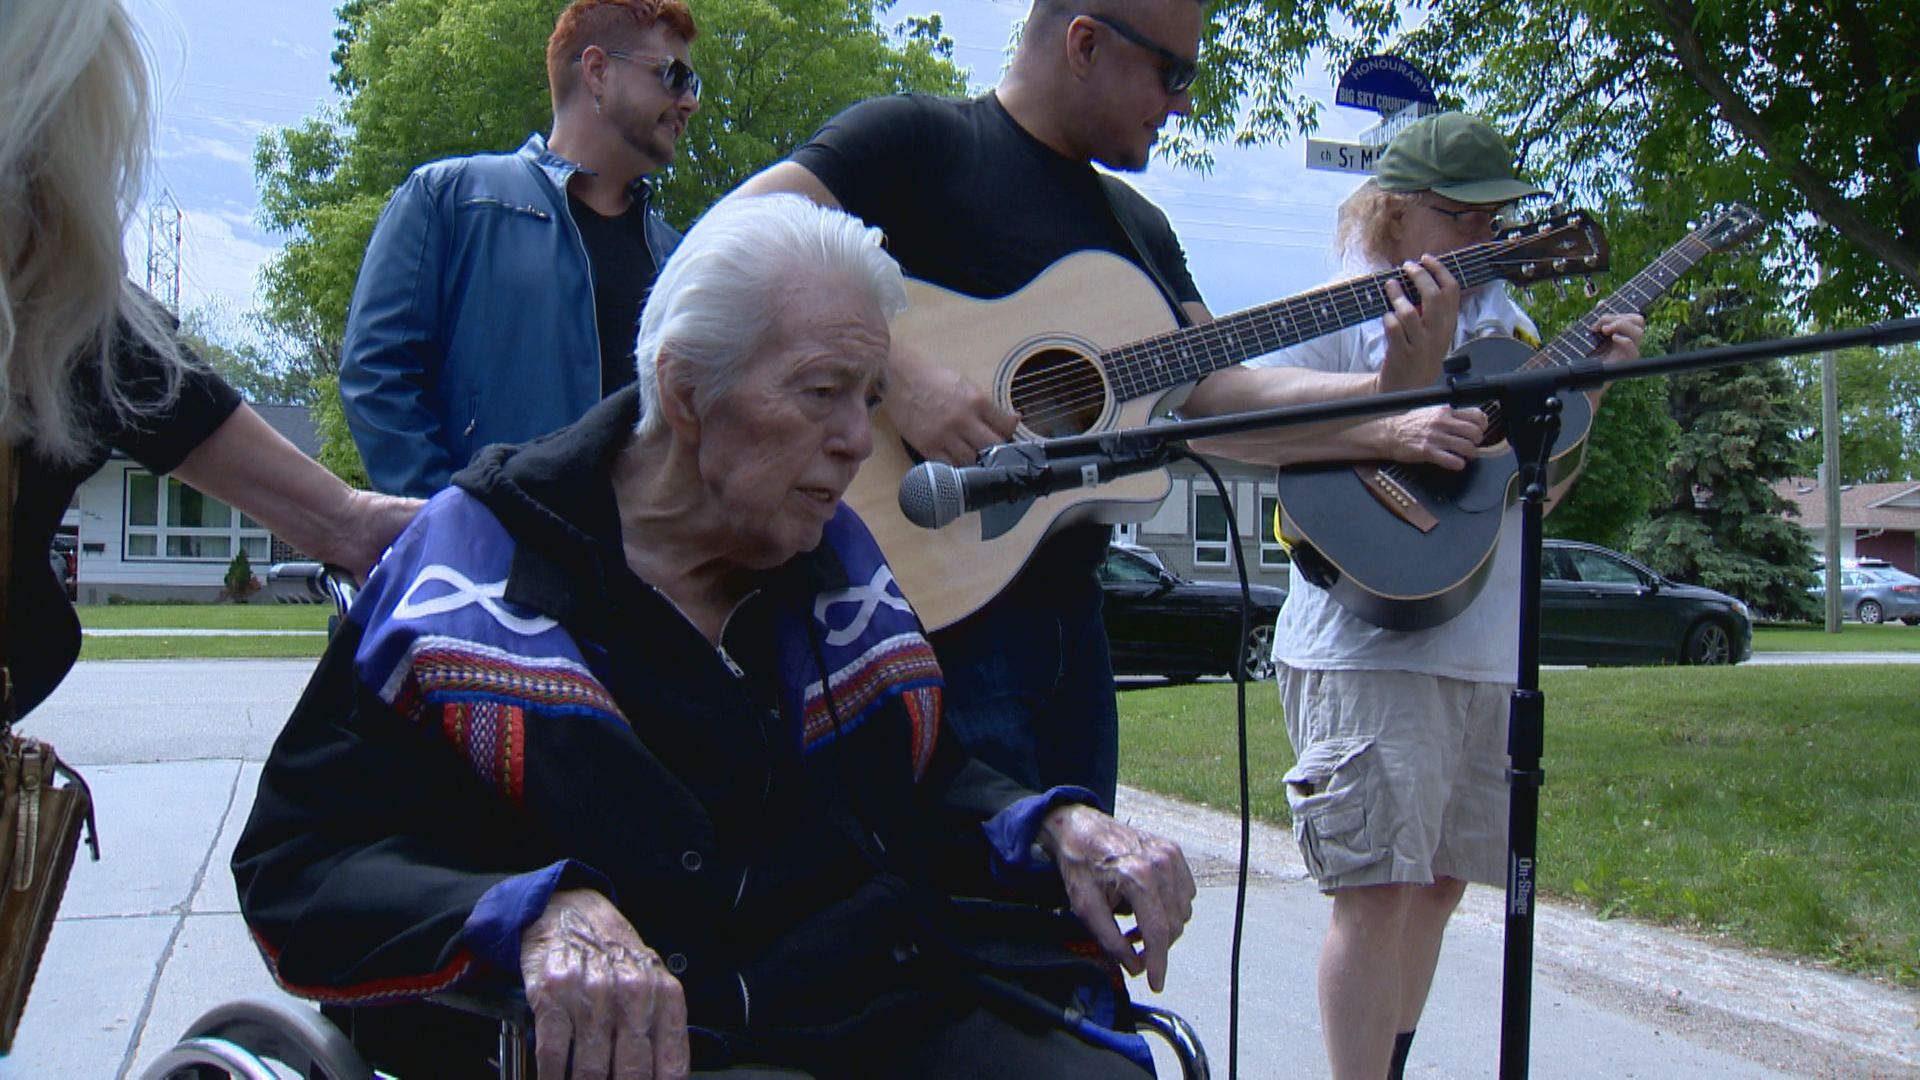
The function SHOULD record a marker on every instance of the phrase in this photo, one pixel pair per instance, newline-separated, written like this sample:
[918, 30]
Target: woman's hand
[600, 996]
[1109, 868]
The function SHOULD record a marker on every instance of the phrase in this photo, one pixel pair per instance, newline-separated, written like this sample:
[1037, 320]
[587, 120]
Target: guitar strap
[1111, 186]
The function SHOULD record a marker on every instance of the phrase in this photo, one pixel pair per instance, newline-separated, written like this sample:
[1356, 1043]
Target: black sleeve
[1150, 223]
[161, 440]
[873, 154]
[367, 848]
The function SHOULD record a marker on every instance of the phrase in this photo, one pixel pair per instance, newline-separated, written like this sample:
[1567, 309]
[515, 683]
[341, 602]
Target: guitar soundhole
[1058, 392]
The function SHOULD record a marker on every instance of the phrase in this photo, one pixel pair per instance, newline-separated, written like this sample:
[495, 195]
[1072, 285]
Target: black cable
[1246, 821]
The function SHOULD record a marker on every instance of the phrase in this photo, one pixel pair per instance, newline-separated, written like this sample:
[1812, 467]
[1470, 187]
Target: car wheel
[1709, 643]
[1260, 653]
[1870, 613]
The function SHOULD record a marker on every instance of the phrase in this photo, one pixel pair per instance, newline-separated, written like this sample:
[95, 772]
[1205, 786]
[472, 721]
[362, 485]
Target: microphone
[934, 494]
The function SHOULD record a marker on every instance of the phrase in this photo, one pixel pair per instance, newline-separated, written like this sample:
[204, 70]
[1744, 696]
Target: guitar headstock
[1562, 245]
[1736, 225]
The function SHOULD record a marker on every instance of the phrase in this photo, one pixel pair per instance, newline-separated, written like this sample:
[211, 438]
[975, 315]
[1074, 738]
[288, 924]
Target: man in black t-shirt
[979, 196]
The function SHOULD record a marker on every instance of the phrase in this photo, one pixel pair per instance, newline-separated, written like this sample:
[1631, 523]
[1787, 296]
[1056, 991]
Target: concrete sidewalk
[150, 937]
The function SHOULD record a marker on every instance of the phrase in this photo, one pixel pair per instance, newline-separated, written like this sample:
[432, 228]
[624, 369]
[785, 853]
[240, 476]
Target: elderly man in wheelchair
[634, 718]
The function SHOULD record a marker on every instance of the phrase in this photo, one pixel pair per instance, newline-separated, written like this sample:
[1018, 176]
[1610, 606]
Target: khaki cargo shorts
[1399, 778]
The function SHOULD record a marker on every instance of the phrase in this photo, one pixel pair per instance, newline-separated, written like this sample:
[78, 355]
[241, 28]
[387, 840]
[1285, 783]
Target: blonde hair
[1364, 230]
[75, 126]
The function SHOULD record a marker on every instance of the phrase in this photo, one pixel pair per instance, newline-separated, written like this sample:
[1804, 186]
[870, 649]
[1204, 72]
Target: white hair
[715, 302]
[75, 129]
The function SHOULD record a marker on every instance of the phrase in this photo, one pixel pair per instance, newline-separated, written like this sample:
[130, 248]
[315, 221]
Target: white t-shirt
[1482, 643]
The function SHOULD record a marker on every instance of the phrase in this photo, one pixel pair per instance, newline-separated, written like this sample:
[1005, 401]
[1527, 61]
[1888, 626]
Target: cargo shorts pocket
[1327, 793]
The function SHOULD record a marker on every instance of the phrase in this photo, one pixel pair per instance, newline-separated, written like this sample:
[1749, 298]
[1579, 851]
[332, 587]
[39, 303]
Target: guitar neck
[1182, 356]
[1577, 342]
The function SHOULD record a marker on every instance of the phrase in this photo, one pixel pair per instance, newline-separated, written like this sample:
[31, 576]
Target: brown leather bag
[40, 818]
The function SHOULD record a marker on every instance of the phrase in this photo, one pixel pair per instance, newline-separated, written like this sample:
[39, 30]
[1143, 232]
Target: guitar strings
[1077, 388]
[1636, 293]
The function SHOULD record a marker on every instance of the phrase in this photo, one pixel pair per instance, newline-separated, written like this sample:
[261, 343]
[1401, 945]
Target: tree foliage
[427, 79]
[1722, 524]
[261, 372]
[1879, 401]
[1810, 113]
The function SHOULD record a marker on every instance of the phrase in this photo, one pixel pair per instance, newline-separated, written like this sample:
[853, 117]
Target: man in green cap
[1399, 794]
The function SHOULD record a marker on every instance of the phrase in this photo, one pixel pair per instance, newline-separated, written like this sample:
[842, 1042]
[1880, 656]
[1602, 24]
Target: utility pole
[1830, 469]
[163, 250]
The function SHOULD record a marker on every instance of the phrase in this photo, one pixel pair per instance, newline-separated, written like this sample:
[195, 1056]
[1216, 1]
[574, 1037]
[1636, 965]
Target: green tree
[1722, 524]
[427, 79]
[1879, 396]
[1806, 112]
[337, 449]
[261, 372]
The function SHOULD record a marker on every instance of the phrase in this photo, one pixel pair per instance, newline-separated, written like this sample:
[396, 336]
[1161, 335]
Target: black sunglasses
[675, 75]
[1178, 72]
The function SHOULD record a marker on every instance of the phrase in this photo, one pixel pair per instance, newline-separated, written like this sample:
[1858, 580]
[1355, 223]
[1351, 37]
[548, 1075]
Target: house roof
[293, 421]
[1862, 506]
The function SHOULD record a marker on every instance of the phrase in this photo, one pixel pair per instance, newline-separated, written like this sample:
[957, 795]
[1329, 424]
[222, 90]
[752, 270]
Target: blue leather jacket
[473, 321]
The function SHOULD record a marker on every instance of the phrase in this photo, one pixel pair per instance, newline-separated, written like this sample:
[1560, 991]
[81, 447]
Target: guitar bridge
[1396, 497]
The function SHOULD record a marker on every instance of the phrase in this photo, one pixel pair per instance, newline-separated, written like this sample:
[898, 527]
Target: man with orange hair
[498, 297]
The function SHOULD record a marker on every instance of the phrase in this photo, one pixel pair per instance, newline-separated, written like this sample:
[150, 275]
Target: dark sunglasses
[675, 75]
[1177, 73]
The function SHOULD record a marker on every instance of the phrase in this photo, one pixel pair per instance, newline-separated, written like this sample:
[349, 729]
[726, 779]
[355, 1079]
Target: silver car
[1874, 594]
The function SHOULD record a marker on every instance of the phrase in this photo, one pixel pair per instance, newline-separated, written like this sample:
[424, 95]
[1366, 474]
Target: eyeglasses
[1177, 73]
[1473, 217]
[678, 78]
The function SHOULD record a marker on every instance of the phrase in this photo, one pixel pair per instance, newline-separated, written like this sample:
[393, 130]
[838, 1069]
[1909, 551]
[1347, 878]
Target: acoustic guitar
[1407, 547]
[1091, 346]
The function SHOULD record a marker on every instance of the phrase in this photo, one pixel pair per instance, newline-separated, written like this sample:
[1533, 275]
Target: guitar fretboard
[1577, 342]
[1182, 356]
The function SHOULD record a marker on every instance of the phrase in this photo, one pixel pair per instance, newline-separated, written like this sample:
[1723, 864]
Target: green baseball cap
[1454, 155]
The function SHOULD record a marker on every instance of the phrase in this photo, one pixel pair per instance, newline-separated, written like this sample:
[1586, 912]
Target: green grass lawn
[205, 616]
[1853, 637]
[1777, 806]
[200, 648]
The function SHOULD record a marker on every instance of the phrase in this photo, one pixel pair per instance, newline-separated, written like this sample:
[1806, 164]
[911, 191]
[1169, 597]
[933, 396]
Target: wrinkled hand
[1418, 338]
[1438, 436]
[597, 990]
[1110, 868]
[371, 522]
[1620, 336]
[941, 413]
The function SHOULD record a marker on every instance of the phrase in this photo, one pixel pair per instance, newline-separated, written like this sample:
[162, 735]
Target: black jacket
[790, 890]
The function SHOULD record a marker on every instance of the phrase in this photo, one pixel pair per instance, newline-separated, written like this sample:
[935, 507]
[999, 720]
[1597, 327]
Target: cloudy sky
[1256, 227]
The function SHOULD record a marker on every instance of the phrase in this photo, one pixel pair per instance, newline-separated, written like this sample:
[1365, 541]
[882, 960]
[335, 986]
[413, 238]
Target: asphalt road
[151, 936]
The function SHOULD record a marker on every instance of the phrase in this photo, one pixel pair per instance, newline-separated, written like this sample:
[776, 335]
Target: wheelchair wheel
[247, 1038]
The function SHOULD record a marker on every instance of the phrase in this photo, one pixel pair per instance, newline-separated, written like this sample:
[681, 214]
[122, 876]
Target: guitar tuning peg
[1587, 286]
[1560, 290]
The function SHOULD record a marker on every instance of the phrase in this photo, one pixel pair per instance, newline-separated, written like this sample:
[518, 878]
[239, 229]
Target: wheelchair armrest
[1179, 1034]
[507, 1004]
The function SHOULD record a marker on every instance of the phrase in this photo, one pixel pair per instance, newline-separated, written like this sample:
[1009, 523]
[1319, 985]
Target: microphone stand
[1530, 398]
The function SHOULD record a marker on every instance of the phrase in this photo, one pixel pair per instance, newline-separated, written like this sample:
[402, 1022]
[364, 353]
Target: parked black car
[1600, 607]
[1159, 623]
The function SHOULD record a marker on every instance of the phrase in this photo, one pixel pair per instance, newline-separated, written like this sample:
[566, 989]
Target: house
[1876, 520]
[1190, 531]
[146, 537]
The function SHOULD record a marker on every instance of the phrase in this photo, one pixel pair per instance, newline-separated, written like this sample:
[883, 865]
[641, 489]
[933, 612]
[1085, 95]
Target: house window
[1271, 553]
[1211, 533]
[167, 519]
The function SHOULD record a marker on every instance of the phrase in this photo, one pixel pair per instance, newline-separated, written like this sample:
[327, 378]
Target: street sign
[1334, 156]
[1383, 84]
